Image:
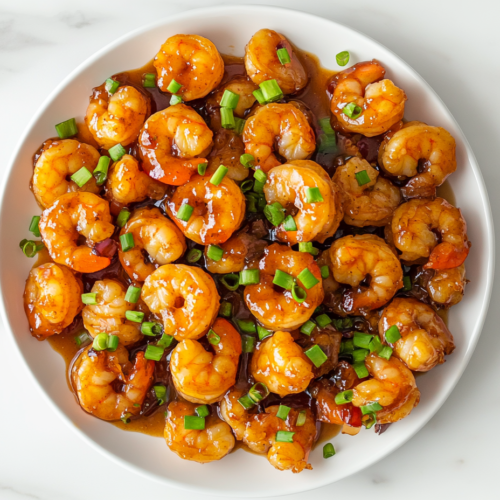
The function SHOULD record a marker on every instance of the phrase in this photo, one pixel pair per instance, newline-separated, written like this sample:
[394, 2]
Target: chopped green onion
[111, 85]
[194, 423]
[226, 309]
[308, 327]
[81, 177]
[283, 56]
[301, 418]
[149, 81]
[165, 341]
[326, 125]
[213, 338]
[101, 171]
[328, 450]
[313, 195]
[30, 248]
[150, 328]
[258, 186]
[133, 294]
[407, 285]
[283, 412]
[34, 226]
[359, 355]
[325, 272]
[202, 411]
[137, 405]
[360, 369]
[246, 402]
[307, 278]
[229, 99]
[135, 316]
[362, 340]
[375, 345]
[154, 353]
[174, 87]
[194, 255]
[231, 281]
[392, 334]
[323, 320]
[347, 346]
[215, 252]
[352, 110]
[239, 125]
[247, 343]
[249, 277]
[100, 342]
[348, 322]
[327, 144]
[284, 436]
[161, 393]
[202, 168]
[175, 99]
[362, 177]
[123, 217]
[263, 332]
[271, 90]
[385, 352]
[127, 242]
[67, 129]
[220, 173]
[370, 421]
[298, 294]
[316, 355]
[227, 118]
[126, 418]
[247, 325]
[260, 176]
[258, 94]
[289, 223]
[307, 247]
[342, 58]
[82, 338]
[247, 160]
[113, 341]
[282, 279]
[116, 152]
[372, 407]
[258, 392]
[246, 186]
[185, 211]
[274, 213]
[344, 397]
[89, 298]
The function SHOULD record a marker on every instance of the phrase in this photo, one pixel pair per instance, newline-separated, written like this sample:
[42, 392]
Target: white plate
[240, 474]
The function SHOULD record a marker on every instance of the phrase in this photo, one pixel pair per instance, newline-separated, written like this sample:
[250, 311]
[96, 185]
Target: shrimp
[262, 62]
[116, 118]
[370, 204]
[52, 299]
[414, 226]
[154, 234]
[108, 315]
[241, 85]
[283, 125]
[171, 142]
[274, 306]
[72, 215]
[227, 151]
[108, 385]
[329, 284]
[447, 287]
[425, 338]
[200, 376]
[354, 258]
[400, 153]
[289, 185]
[281, 364]
[127, 183]
[192, 61]
[392, 386]
[59, 160]
[382, 103]
[218, 210]
[185, 297]
[213, 442]
[258, 432]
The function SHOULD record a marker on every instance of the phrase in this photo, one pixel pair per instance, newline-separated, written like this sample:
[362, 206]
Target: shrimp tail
[447, 256]
[178, 173]
[90, 263]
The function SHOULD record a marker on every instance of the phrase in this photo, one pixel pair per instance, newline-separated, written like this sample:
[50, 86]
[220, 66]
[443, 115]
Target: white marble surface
[454, 45]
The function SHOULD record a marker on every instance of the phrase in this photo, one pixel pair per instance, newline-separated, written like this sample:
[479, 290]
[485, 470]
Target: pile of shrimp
[232, 273]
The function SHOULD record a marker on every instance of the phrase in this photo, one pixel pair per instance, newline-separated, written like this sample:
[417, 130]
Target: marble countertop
[454, 45]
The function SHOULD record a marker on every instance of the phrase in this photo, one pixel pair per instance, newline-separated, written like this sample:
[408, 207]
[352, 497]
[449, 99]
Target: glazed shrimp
[400, 153]
[356, 257]
[392, 386]
[447, 287]
[283, 125]
[201, 376]
[213, 442]
[52, 299]
[95, 375]
[154, 234]
[281, 364]
[258, 432]
[218, 210]
[275, 307]
[241, 85]
[72, 215]
[371, 204]
[171, 143]
[262, 62]
[127, 183]
[108, 315]
[382, 103]
[58, 162]
[192, 61]
[414, 228]
[425, 338]
[184, 297]
[117, 118]
[289, 185]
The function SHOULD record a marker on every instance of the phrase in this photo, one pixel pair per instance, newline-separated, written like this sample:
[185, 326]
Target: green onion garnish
[316, 355]
[282, 279]
[161, 393]
[258, 392]
[274, 213]
[360, 369]
[175, 99]
[271, 91]
[67, 129]
[247, 343]
[81, 177]
[372, 407]
[347, 346]
[100, 342]
[165, 341]
[111, 85]
[82, 338]
[231, 281]
[113, 341]
[370, 421]
[323, 320]
[327, 144]
[246, 185]
[194, 423]
[258, 187]
[308, 327]
[247, 160]
[344, 397]
[116, 152]
[123, 217]
[407, 285]
[263, 332]
[258, 94]
[313, 195]
[260, 176]
[101, 171]
[239, 125]
[298, 294]
[174, 87]
[359, 355]
[127, 242]
[246, 402]
[307, 247]
[229, 99]
[89, 298]
[246, 325]
[149, 81]
[328, 450]
[226, 309]
[375, 345]
[154, 353]
[185, 211]
[249, 277]
[385, 352]
[219, 174]
[126, 418]
[194, 255]
[342, 58]
[215, 252]
[392, 334]
[362, 177]
[227, 118]
[301, 418]
[283, 412]
[133, 294]
[150, 328]
[352, 110]
[202, 168]
[284, 436]
[326, 125]
[212, 337]
[135, 316]
[202, 411]
[283, 56]
[362, 340]
[289, 223]
[325, 272]
[34, 226]
[307, 278]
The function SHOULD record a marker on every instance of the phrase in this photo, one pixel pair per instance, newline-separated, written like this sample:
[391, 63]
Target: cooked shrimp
[280, 125]
[241, 85]
[329, 283]
[392, 386]
[281, 364]
[354, 258]
[52, 299]
[58, 162]
[72, 215]
[95, 375]
[447, 287]
[117, 118]
[154, 234]
[201, 376]
[108, 315]
[370, 204]
[218, 210]
[192, 61]
[258, 432]
[275, 307]
[262, 62]
[227, 151]
[184, 297]
[414, 227]
[213, 442]
[289, 185]
[127, 183]
[382, 103]
[171, 143]
[425, 338]
[400, 153]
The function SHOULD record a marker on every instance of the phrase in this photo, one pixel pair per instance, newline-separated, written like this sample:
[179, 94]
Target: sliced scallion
[283, 55]
[307, 278]
[135, 316]
[219, 174]
[185, 211]
[352, 110]
[229, 99]
[116, 152]
[127, 242]
[316, 355]
[274, 213]
[67, 129]
[81, 177]
[133, 294]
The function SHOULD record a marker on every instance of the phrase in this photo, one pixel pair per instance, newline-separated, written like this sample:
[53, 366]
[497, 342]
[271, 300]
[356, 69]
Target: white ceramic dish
[230, 28]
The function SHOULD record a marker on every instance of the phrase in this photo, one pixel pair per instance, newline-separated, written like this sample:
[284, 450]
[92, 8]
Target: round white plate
[241, 473]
